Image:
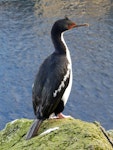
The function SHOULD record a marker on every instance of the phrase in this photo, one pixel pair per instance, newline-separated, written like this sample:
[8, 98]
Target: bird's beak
[81, 25]
[74, 25]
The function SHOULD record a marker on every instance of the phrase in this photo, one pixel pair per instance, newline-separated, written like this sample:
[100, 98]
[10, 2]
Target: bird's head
[65, 24]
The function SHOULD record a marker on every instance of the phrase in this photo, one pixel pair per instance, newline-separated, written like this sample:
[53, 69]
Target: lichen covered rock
[66, 134]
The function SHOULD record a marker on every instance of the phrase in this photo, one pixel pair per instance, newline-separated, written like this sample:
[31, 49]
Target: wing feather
[52, 73]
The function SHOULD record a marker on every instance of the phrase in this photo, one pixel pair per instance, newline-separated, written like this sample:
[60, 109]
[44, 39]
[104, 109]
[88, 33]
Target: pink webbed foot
[59, 116]
[62, 116]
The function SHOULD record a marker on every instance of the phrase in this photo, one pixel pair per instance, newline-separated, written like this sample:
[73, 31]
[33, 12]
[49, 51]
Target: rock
[64, 134]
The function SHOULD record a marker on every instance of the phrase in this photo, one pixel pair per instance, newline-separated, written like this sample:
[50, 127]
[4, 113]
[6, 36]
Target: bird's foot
[59, 116]
[62, 116]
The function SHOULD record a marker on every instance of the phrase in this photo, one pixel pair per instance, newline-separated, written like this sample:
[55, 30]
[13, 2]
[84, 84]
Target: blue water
[25, 42]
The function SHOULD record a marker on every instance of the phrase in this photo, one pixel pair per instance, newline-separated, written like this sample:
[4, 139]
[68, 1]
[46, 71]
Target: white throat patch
[67, 50]
[68, 73]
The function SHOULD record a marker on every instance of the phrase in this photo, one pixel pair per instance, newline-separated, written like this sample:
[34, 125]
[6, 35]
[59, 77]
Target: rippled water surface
[25, 42]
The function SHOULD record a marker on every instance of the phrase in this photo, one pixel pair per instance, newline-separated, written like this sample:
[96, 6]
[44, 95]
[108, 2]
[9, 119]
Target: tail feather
[33, 129]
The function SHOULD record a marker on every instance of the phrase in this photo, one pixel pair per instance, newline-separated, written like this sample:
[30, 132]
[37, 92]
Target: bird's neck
[59, 43]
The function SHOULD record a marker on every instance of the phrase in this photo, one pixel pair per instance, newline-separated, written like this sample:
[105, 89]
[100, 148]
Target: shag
[53, 81]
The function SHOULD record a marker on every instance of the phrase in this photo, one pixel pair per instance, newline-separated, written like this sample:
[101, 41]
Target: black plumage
[53, 78]
[48, 79]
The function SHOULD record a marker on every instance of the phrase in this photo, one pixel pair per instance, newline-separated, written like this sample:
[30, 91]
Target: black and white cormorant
[53, 82]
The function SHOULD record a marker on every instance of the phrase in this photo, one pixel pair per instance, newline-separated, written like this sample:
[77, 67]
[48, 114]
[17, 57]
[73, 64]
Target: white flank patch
[62, 83]
[69, 72]
[49, 130]
[67, 91]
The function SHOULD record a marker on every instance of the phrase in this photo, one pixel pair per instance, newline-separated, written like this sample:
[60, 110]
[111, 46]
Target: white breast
[68, 89]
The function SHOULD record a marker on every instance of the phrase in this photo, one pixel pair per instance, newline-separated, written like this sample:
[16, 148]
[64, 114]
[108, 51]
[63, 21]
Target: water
[25, 42]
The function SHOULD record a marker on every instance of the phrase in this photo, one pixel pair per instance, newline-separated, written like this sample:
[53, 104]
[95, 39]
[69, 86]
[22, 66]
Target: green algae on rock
[66, 134]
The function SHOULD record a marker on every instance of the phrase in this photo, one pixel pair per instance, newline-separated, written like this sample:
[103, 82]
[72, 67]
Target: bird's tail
[33, 129]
